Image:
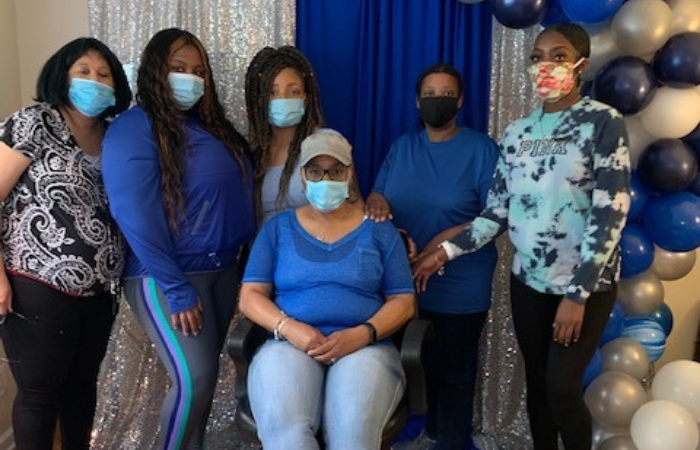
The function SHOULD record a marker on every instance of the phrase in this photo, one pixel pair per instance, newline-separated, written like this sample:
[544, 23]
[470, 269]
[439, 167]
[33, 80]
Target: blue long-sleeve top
[218, 212]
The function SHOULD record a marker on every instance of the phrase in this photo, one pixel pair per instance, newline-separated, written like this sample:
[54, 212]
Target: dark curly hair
[263, 69]
[53, 83]
[155, 96]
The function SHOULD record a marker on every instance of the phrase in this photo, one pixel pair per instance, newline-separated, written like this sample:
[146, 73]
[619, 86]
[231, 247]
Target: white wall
[44, 26]
[9, 69]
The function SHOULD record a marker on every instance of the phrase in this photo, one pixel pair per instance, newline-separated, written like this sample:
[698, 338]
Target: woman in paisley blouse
[61, 251]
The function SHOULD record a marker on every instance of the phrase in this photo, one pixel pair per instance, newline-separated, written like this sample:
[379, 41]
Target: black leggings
[450, 366]
[55, 355]
[554, 373]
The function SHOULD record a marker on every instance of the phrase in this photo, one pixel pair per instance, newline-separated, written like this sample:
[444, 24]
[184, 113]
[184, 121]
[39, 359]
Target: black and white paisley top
[56, 226]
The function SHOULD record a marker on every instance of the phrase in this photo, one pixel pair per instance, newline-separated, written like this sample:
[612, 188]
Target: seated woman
[342, 286]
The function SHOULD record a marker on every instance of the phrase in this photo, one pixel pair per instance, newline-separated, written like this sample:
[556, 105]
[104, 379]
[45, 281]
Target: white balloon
[642, 27]
[679, 382]
[603, 49]
[664, 425]
[685, 15]
[639, 138]
[673, 113]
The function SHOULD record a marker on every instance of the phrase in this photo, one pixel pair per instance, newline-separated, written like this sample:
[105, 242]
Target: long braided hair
[156, 98]
[263, 69]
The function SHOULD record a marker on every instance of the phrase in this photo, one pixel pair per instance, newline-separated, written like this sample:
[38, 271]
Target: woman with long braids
[282, 100]
[561, 189]
[180, 185]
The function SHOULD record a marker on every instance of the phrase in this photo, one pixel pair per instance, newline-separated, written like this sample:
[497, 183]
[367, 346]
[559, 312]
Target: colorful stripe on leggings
[174, 435]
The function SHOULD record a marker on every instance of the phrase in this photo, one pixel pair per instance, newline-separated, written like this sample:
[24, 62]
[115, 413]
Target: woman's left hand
[339, 344]
[568, 321]
[426, 266]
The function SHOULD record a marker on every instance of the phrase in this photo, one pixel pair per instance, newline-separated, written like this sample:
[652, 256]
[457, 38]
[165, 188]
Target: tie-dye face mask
[553, 80]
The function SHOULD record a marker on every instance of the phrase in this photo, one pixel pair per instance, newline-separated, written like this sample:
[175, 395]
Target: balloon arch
[645, 62]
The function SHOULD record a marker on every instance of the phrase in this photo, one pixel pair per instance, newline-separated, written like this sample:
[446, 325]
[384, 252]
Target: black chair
[247, 337]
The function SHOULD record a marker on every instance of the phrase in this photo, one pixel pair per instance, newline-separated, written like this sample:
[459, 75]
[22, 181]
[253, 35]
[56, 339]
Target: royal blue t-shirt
[329, 286]
[432, 186]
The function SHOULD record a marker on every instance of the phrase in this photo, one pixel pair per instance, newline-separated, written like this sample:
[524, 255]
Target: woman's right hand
[5, 295]
[302, 336]
[377, 208]
[189, 320]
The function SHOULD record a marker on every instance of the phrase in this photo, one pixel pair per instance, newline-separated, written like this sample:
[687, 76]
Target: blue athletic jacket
[218, 215]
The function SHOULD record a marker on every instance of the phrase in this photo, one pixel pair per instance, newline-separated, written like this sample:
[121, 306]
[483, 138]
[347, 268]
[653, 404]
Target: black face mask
[437, 111]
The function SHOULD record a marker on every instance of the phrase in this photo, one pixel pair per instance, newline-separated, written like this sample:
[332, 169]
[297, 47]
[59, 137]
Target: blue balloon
[626, 83]
[673, 221]
[677, 63]
[638, 197]
[555, 14]
[594, 368]
[590, 11]
[664, 317]
[637, 250]
[519, 13]
[648, 333]
[667, 165]
[614, 326]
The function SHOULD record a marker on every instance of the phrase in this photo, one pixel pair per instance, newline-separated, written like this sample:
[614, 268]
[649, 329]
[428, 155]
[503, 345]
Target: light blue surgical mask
[326, 195]
[187, 89]
[90, 97]
[286, 112]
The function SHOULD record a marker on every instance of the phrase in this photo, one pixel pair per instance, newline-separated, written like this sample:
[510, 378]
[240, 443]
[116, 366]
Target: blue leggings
[192, 361]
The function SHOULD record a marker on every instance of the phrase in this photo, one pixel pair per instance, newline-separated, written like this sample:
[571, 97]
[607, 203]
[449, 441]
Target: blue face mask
[286, 112]
[89, 97]
[326, 195]
[187, 89]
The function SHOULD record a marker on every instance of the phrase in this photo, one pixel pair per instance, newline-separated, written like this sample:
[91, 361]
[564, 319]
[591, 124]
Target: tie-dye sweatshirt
[561, 188]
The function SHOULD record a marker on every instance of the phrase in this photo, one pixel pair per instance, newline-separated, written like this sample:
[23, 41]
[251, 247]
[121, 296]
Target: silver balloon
[670, 266]
[613, 398]
[639, 138]
[618, 443]
[640, 295]
[601, 433]
[642, 27]
[625, 355]
[603, 49]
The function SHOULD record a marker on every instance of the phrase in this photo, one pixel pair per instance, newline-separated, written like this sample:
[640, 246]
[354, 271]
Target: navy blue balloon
[520, 13]
[668, 165]
[673, 221]
[664, 317]
[555, 14]
[695, 186]
[614, 326]
[638, 197]
[590, 11]
[626, 83]
[693, 140]
[637, 250]
[594, 368]
[677, 63]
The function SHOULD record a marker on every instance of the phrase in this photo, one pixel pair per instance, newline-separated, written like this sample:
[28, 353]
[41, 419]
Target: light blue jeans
[291, 395]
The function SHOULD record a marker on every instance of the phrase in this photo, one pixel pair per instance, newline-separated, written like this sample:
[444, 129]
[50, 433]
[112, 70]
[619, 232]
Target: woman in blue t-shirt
[331, 287]
[432, 183]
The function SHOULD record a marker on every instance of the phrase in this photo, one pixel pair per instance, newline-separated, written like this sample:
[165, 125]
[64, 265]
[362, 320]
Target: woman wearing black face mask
[431, 184]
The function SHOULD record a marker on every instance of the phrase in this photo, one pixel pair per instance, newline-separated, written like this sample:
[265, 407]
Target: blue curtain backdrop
[368, 54]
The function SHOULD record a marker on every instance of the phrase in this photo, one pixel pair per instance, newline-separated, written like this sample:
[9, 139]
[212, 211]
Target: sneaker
[422, 442]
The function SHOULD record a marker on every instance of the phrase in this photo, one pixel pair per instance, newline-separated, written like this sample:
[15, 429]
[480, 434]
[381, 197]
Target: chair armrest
[245, 339]
[417, 331]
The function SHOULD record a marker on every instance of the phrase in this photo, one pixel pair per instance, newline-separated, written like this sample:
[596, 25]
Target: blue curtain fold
[367, 55]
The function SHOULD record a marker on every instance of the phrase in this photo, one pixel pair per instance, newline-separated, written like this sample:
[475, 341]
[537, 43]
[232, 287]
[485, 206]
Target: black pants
[554, 373]
[450, 365]
[55, 355]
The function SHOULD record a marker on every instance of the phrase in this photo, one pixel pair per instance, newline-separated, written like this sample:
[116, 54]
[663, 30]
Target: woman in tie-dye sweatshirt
[561, 189]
